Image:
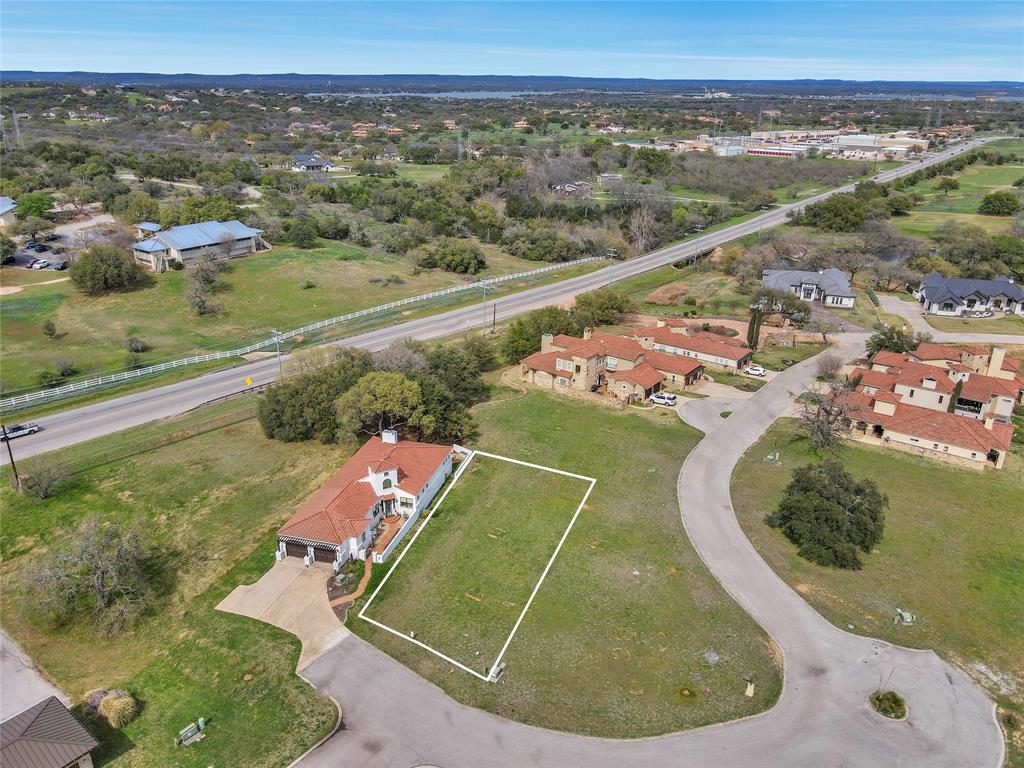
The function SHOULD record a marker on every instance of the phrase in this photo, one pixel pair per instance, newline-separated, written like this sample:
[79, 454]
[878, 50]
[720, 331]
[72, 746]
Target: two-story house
[385, 478]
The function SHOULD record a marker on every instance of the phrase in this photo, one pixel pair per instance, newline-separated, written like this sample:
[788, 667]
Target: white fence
[380, 557]
[123, 376]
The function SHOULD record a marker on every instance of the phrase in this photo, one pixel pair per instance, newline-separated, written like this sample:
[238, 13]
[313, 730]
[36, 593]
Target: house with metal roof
[8, 208]
[186, 244]
[46, 735]
[967, 296]
[146, 229]
[829, 286]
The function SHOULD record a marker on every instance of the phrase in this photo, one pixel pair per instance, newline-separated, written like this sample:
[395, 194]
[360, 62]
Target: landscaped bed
[951, 555]
[629, 629]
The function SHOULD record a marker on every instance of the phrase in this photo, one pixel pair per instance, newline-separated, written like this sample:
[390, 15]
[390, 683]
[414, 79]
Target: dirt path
[7, 290]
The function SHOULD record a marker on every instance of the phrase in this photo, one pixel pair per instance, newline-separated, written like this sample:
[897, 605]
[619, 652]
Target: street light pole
[760, 223]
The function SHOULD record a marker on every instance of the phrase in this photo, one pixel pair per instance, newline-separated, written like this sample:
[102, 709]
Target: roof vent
[389, 436]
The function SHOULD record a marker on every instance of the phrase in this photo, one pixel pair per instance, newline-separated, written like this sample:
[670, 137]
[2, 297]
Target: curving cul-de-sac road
[395, 718]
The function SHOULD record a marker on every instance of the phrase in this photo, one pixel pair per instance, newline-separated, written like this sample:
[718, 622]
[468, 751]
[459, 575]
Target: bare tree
[824, 416]
[829, 365]
[403, 356]
[104, 571]
[43, 478]
[822, 327]
[642, 228]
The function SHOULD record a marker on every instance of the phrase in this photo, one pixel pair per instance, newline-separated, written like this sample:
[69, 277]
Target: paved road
[21, 684]
[912, 311]
[394, 718]
[86, 422]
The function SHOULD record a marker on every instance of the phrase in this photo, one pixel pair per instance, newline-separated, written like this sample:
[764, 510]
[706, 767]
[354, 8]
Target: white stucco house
[371, 502]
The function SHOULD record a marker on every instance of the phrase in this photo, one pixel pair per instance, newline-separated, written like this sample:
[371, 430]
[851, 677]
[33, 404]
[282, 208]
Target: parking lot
[24, 257]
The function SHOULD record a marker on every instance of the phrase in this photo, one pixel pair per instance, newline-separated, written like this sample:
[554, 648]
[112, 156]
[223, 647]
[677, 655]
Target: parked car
[31, 263]
[41, 264]
[61, 265]
[754, 370]
[19, 430]
[663, 398]
[38, 248]
[30, 244]
[52, 237]
[8, 259]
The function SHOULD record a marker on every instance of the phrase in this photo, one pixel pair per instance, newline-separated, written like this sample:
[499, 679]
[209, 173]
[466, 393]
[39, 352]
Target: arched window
[387, 483]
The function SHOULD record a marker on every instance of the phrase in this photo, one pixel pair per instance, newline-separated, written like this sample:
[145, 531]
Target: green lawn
[195, 499]
[1004, 324]
[422, 173]
[746, 383]
[772, 357]
[925, 223]
[621, 624]
[464, 582]
[953, 553]
[1007, 145]
[976, 181]
[263, 291]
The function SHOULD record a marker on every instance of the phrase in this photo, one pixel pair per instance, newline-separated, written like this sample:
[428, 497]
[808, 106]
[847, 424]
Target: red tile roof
[643, 374]
[680, 365]
[705, 343]
[982, 388]
[926, 350]
[937, 426]
[543, 361]
[909, 373]
[600, 344]
[341, 509]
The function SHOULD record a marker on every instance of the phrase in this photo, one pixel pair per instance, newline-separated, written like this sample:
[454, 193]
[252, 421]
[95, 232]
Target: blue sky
[910, 40]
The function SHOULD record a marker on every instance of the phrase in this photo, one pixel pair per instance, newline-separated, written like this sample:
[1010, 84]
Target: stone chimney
[389, 436]
[995, 362]
[588, 333]
[989, 422]
[547, 342]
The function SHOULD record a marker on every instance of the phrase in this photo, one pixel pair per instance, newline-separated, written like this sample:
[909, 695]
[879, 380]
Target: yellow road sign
[248, 381]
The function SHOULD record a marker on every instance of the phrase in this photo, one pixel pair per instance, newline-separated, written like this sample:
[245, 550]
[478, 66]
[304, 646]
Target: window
[562, 381]
[911, 393]
[386, 484]
[941, 398]
[577, 368]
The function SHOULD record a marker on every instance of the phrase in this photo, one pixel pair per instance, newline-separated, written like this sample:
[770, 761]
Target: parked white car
[754, 370]
[41, 264]
[663, 398]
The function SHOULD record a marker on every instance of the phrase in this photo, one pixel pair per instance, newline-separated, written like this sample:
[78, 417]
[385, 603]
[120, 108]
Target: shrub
[453, 255]
[101, 268]
[50, 329]
[872, 297]
[118, 708]
[890, 704]
[43, 479]
[135, 344]
[305, 285]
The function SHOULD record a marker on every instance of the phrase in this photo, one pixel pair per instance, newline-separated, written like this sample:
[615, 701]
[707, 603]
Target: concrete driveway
[294, 598]
[395, 718]
[21, 682]
[912, 311]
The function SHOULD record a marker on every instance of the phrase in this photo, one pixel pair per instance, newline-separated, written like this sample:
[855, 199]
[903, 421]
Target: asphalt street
[82, 423]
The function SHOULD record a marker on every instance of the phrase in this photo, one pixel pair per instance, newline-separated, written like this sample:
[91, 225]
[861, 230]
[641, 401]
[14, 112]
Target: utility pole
[10, 455]
[612, 255]
[277, 343]
[486, 289]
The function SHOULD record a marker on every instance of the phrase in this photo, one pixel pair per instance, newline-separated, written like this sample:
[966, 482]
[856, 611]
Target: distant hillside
[434, 83]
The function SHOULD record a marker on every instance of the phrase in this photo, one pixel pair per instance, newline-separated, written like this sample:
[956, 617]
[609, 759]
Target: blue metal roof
[197, 235]
[7, 204]
[148, 226]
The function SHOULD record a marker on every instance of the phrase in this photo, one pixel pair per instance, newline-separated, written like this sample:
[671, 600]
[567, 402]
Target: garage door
[324, 555]
[294, 550]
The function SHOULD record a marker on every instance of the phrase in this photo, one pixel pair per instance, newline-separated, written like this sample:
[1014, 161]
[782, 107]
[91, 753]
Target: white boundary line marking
[489, 677]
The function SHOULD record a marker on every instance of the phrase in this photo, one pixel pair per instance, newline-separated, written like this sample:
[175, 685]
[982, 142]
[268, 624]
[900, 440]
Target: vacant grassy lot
[261, 292]
[1004, 324]
[671, 291]
[953, 553]
[1008, 145]
[464, 582]
[976, 181]
[615, 641]
[925, 223]
[422, 173]
[211, 503]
